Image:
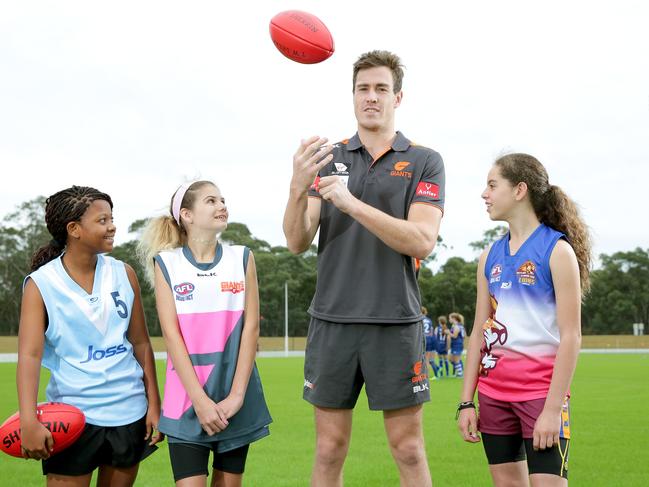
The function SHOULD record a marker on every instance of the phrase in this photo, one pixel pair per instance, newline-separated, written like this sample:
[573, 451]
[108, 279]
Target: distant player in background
[442, 343]
[430, 340]
[457, 334]
[527, 333]
[82, 315]
[208, 304]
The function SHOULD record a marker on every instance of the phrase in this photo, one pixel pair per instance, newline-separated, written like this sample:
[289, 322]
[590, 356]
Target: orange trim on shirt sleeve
[427, 203]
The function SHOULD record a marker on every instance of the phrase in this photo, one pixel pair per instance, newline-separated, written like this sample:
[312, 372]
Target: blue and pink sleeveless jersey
[210, 302]
[521, 336]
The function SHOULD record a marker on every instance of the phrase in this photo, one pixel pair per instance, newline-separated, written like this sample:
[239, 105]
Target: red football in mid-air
[66, 423]
[301, 37]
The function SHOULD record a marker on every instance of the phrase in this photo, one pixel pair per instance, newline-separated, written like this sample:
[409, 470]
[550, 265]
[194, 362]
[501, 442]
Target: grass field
[610, 426]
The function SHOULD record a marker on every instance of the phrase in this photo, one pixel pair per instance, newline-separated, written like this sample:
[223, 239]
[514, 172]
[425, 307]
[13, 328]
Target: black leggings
[515, 448]
[190, 459]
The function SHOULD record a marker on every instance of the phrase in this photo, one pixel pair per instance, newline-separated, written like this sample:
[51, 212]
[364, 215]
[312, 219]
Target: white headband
[178, 199]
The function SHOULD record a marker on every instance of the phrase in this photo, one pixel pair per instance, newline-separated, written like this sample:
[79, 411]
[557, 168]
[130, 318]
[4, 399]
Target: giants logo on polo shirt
[399, 170]
[427, 189]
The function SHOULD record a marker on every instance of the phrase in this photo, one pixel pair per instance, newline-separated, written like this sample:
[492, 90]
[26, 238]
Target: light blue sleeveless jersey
[86, 350]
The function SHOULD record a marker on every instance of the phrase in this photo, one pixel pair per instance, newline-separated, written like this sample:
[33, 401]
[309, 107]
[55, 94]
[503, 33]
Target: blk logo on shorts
[420, 388]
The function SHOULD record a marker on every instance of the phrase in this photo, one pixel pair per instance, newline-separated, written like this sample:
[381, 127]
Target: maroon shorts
[510, 418]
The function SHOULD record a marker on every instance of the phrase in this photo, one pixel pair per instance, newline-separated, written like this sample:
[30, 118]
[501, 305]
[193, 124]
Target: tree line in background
[619, 296]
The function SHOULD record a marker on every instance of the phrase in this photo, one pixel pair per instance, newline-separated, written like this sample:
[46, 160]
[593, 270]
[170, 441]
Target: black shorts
[115, 446]
[389, 359]
[190, 459]
[515, 448]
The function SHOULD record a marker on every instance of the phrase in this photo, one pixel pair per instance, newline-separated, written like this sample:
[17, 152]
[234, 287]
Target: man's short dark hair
[374, 59]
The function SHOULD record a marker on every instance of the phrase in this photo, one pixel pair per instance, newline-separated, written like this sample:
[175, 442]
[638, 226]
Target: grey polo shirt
[361, 279]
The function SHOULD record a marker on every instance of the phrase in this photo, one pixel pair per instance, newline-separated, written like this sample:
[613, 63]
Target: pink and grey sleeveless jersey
[210, 301]
[521, 336]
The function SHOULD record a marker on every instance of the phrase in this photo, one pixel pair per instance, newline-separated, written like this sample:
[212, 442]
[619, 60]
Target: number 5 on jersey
[122, 310]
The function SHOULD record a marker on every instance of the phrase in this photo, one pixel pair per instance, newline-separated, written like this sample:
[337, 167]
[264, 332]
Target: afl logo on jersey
[494, 275]
[184, 291]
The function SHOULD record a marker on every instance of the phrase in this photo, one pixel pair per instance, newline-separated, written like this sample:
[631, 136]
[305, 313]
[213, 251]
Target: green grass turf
[609, 424]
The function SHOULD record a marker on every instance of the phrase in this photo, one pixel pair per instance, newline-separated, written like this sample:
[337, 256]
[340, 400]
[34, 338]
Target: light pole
[286, 318]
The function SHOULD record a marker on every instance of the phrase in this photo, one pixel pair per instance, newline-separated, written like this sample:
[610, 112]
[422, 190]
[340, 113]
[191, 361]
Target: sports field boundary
[13, 357]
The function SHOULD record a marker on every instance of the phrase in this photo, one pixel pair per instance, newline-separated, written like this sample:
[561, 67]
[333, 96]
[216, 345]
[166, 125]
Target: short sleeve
[430, 188]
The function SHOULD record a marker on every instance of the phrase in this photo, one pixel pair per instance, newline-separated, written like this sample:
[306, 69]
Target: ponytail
[562, 214]
[552, 207]
[161, 233]
[167, 232]
[46, 253]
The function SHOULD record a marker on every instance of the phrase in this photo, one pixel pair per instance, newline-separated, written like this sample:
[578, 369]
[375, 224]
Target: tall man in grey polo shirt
[377, 199]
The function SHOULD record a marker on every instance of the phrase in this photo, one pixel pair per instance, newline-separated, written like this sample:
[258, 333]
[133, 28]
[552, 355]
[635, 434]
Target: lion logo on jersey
[526, 273]
[494, 332]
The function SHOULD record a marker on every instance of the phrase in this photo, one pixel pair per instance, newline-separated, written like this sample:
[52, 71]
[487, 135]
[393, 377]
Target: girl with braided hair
[526, 336]
[82, 318]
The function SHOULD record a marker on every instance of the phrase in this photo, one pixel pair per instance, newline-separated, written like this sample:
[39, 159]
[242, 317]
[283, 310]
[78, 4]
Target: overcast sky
[136, 97]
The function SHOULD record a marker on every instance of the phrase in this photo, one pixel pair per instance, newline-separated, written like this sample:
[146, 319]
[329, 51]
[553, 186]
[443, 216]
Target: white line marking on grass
[12, 358]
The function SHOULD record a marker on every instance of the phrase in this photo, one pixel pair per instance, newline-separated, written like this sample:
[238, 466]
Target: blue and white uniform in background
[431, 345]
[442, 351]
[428, 333]
[86, 348]
[457, 347]
[440, 340]
[457, 343]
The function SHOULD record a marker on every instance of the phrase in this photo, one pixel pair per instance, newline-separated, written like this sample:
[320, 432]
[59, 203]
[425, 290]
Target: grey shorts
[389, 359]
